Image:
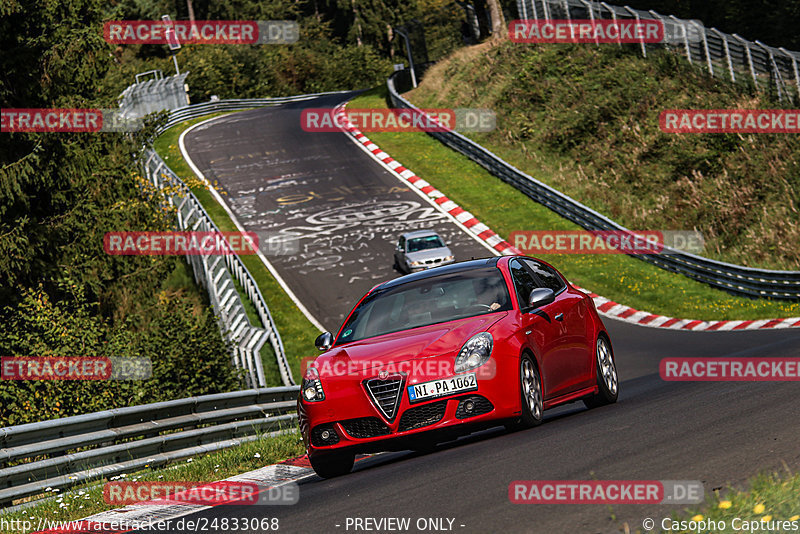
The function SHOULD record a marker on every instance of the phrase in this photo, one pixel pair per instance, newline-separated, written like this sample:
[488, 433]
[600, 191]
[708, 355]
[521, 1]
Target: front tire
[607, 379]
[530, 391]
[332, 464]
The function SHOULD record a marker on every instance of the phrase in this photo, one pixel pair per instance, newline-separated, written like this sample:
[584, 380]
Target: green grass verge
[296, 331]
[504, 209]
[771, 498]
[87, 500]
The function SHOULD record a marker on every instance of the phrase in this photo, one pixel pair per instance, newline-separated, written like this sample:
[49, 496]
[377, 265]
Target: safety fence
[221, 274]
[735, 279]
[72, 451]
[723, 55]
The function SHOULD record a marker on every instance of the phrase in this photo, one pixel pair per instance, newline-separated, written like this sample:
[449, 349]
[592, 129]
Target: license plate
[442, 387]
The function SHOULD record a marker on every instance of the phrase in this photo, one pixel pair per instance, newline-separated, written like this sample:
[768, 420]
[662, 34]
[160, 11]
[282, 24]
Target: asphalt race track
[342, 212]
[349, 211]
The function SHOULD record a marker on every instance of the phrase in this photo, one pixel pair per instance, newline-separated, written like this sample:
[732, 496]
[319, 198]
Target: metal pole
[588, 6]
[727, 53]
[749, 57]
[773, 66]
[685, 38]
[175, 62]
[410, 59]
[708, 52]
[794, 66]
[614, 18]
[635, 14]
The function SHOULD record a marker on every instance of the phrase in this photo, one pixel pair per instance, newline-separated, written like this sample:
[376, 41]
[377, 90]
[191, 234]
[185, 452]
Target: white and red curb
[605, 307]
[141, 515]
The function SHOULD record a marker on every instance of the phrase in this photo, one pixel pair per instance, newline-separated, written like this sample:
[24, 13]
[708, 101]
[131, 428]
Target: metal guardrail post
[749, 56]
[727, 48]
[705, 47]
[775, 72]
[795, 69]
[614, 18]
[636, 16]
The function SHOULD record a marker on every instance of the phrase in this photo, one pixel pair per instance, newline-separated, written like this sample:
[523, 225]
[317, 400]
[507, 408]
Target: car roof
[461, 266]
[419, 233]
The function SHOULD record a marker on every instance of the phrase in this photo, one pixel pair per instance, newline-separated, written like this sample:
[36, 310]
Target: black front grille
[365, 427]
[419, 416]
[385, 394]
[316, 436]
[481, 405]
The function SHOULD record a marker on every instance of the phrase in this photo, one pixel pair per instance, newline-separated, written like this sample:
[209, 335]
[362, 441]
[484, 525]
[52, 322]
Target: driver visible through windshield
[428, 301]
[425, 243]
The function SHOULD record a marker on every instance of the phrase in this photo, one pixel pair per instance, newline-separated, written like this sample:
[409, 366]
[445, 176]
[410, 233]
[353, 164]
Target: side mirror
[324, 341]
[541, 296]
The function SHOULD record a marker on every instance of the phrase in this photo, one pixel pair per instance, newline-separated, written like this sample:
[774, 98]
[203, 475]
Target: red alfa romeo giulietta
[444, 352]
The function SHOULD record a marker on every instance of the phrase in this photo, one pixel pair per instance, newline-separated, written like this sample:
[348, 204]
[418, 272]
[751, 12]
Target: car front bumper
[349, 418]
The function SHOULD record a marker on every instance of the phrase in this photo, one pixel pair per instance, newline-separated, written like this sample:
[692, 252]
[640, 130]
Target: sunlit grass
[504, 209]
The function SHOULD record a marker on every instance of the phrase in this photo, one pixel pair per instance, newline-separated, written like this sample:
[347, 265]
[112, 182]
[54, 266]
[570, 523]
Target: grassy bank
[505, 209]
[772, 504]
[585, 120]
[296, 331]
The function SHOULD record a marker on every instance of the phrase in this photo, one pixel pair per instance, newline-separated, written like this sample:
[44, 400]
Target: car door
[540, 329]
[572, 359]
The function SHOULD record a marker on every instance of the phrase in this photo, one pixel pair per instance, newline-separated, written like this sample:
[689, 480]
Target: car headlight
[449, 258]
[311, 388]
[474, 353]
[414, 263]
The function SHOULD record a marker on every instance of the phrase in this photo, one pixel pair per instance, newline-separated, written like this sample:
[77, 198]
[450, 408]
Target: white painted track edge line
[227, 209]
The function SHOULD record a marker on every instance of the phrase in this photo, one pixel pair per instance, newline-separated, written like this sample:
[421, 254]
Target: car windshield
[428, 301]
[425, 243]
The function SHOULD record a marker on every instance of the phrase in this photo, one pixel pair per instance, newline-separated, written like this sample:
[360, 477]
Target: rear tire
[332, 464]
[607, 379]
[530, 392]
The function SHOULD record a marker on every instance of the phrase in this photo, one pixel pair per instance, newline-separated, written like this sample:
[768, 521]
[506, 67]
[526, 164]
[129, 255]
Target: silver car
[420, 250]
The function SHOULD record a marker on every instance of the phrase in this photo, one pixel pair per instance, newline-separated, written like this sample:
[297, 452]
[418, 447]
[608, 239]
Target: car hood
[429, 254]
[423, 342]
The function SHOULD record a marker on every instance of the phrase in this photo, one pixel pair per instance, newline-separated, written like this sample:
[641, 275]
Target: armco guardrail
[733, 278]
[206, 108]
[723, 55]
[63, 453]
[217, 274]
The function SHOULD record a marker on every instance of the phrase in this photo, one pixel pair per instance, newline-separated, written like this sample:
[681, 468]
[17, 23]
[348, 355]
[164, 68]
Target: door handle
[560, 317]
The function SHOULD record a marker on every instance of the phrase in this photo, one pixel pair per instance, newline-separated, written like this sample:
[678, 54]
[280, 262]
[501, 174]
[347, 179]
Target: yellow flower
[698, 517]
[759, 508]
[725, 504]
[794, 518]
[766, 518]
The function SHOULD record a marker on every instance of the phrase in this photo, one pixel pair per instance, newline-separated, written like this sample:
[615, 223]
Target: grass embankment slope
[584, 120]
[505, 210]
